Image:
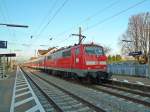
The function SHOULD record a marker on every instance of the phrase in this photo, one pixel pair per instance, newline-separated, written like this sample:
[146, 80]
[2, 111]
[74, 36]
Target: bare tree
[137, 35]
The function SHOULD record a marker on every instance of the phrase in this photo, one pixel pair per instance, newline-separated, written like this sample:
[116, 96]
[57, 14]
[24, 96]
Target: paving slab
[6, 91]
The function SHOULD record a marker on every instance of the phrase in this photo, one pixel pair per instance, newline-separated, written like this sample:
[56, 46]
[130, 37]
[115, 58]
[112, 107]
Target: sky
[102, 22]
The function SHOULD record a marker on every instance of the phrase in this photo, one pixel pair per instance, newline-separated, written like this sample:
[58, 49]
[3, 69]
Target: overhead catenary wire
[115, 15]
[2, 14]
[33, 37]
[47, 16]
[89, 17]
[51, 19]
[86, 19]
[26, 44]
[6, 17]
[111, 17]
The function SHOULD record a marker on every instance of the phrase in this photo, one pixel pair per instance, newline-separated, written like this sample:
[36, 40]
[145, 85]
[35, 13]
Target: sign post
[135, 53]
[2, 63]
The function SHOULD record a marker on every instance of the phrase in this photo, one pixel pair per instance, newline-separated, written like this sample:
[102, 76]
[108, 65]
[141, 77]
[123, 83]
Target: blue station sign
[3, 44]
[135, 53]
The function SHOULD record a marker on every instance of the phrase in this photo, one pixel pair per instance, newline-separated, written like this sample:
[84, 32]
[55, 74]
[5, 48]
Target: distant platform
[132, 79]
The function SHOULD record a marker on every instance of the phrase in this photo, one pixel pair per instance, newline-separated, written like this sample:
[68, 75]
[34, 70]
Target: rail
[93, 107]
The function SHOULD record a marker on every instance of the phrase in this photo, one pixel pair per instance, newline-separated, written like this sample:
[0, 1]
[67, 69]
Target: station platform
[132, 79]
[6, 91]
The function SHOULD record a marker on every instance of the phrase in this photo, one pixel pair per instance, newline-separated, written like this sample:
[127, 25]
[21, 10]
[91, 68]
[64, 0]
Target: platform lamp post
[11, 25]
[148, 32]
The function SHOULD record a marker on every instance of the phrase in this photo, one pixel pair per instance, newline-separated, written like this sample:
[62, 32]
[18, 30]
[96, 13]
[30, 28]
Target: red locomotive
[85, 61]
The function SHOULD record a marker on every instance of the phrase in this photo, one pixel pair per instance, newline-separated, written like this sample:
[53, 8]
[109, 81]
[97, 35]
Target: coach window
[77, 51]
[66, 53]
[49, 57]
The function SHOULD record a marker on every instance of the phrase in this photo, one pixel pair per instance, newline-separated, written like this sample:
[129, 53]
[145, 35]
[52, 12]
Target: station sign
[3, 44]
[8, 55]
[135, 53]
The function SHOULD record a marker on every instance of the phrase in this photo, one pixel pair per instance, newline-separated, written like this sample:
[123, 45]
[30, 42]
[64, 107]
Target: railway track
[137, 97]
[45, 102]
[61, 99]
[127, 92]
[24, 98]
[106, 98]
[133, 92]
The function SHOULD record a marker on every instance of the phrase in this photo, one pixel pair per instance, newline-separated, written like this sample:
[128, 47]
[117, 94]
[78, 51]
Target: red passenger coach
[82, 61]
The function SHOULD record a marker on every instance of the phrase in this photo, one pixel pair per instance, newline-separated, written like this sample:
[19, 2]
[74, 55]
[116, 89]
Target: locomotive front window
[49, 57]
[95, 50]
[77, 51]
[66, 53]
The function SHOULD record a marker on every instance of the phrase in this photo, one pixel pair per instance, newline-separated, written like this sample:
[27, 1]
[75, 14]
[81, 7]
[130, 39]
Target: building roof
[43, 52]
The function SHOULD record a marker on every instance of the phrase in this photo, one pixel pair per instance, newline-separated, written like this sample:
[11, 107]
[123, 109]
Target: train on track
[83, 61]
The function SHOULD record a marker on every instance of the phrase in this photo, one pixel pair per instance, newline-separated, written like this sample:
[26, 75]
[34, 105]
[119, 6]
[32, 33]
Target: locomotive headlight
[89, 68]
[102, 62]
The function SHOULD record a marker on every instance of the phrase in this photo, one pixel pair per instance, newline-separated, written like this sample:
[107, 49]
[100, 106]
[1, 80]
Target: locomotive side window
[49, 57]
[95, 50]
[77, 51]
[66, 53]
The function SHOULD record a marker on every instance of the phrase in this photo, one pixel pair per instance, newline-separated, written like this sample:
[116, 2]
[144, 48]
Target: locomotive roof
[61, 49]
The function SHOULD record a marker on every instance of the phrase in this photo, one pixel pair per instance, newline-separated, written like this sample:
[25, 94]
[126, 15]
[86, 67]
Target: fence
[129, 69]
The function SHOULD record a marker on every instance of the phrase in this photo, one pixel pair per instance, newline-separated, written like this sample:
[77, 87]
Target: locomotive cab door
[77, 58]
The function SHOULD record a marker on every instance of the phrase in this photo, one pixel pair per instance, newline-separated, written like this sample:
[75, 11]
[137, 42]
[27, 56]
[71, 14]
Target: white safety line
[18, 83]
[131, 82]
[135, 96]
[22, 94]
[33, 109]
[145, 98]
[23, 101]
[138, 82]
[22, 89]
[127, 93]
[21, 85]
[13, 97]
[35, 97]
[21, 81]
[125, 81]
[114, 79]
